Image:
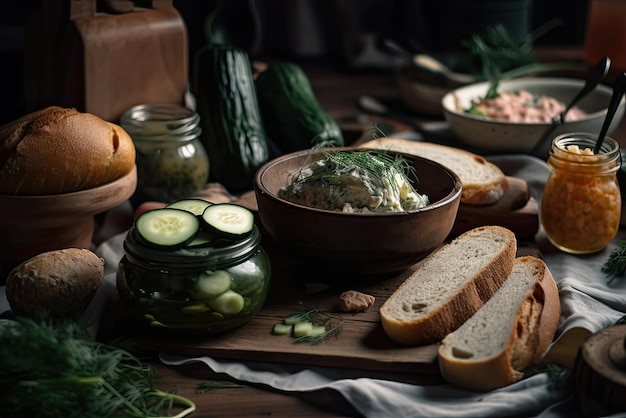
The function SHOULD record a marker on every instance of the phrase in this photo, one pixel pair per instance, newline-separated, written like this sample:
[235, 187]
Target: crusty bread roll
[483, 182]
[449, 286]
[59, 283]
[58, 150]
[508, 335]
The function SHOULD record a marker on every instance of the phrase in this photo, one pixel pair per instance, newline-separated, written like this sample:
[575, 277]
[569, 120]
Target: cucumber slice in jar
[228, 220]
[193, 205]
[167, 228]
[211, 284]
[228, 303]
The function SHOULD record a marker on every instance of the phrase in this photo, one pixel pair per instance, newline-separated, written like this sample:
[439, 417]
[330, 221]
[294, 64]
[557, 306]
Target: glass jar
[581, 204]
[171, 160]
[193, 291]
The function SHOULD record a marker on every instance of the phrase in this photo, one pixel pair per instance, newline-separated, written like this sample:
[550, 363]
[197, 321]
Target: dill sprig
[376, 165]
[615, 265]
[210, 385]
[332, 323]
[55, 370]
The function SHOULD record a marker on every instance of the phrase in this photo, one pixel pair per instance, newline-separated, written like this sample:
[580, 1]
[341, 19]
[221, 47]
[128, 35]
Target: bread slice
[483, 182]
[449, 286]
[508, 335]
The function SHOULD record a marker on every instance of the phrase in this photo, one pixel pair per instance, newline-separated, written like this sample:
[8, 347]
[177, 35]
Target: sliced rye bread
[508, 335]
[449, 286]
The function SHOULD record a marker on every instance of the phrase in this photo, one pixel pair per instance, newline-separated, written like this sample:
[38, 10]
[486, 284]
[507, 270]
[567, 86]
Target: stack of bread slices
[494, 314]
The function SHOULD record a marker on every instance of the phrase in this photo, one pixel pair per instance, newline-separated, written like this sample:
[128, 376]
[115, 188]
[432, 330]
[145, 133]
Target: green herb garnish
[375, 165]
[210, 385]
[499, 51]
[615, 265]
[329, 324]
[55, 370]
[503, 56]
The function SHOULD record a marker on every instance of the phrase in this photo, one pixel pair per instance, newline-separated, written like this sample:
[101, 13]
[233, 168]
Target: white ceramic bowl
[493, 136]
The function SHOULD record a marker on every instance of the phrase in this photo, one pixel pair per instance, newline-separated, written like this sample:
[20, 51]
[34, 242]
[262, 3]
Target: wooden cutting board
[362, 347]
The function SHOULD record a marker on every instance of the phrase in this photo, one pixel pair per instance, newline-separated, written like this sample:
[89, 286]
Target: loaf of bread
[483, 182]
[60, 150]
[449, 286]
[57, 283]
[508, 335]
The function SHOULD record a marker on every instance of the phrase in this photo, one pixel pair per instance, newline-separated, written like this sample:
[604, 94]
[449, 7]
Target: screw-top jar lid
[215, 257]
[161, 122]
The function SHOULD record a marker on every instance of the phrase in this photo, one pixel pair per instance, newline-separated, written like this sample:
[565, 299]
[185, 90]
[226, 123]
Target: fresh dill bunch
[615, 265]
[499, 51]
[55, 370]
[502, 55]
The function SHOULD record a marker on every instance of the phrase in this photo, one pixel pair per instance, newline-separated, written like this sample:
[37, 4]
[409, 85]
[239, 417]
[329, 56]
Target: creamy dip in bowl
[345, 245]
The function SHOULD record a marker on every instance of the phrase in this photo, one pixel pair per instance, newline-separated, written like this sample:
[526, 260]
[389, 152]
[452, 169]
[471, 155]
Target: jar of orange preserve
[581, 204]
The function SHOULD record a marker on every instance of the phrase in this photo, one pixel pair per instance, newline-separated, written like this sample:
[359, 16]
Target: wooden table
[337, 91]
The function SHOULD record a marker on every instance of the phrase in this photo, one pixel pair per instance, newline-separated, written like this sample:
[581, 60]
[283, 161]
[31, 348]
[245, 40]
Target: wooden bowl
[30, 225]
[357, 245]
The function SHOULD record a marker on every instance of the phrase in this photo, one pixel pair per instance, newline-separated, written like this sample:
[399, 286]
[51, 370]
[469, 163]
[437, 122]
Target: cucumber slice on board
[167, 227]
[193, 205]
[228, 220]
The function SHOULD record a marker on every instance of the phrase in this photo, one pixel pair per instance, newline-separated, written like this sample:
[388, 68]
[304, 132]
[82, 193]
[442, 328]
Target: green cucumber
[282, 329]
[193, 205]
[232, 129]
[228, 220]
[294, 119]
[167, 227]
[302, 329]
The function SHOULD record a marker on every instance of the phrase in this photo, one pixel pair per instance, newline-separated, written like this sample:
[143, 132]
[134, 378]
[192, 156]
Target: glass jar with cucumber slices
[194, 267]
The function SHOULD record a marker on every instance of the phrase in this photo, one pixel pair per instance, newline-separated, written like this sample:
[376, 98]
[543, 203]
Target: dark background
[348, 34]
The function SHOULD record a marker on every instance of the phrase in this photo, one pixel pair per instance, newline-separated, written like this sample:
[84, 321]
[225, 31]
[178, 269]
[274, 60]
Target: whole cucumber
[293, 117]
[233, 133]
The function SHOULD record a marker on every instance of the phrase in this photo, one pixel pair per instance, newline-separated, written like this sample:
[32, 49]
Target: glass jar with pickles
[171, 160]
[581, 203]
[208, 284]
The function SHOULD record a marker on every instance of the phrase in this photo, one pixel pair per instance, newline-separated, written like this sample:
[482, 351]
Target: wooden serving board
[362, 345]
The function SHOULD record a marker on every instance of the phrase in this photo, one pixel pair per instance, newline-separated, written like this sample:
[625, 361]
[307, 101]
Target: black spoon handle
[618, 91]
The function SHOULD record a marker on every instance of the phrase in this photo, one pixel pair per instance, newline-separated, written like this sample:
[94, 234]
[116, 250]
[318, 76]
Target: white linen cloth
[589, 303]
